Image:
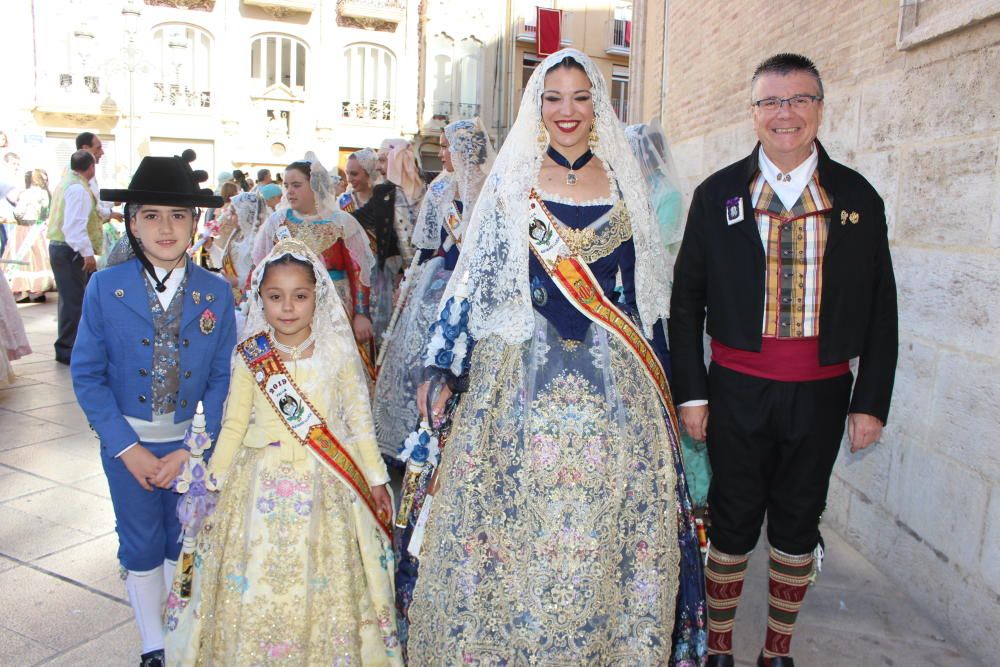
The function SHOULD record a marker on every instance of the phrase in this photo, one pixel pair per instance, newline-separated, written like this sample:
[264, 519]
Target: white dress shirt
[76, 210]
[103, 207]
[788, 186]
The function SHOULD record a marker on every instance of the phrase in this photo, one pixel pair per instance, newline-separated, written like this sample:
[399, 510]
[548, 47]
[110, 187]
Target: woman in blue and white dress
[467, 155]
[562, 531]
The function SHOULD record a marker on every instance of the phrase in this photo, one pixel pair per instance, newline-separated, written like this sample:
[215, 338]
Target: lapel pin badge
[734, 210]
[210, 298]
[854, 217]
[207, 322]
[843, 217]
[196, 297]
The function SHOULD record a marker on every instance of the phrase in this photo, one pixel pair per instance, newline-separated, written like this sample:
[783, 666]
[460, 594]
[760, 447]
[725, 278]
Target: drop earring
[543, 136]
[592, 135]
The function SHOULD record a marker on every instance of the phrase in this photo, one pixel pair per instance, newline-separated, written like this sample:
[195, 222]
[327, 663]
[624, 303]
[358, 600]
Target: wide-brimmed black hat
[167, 181]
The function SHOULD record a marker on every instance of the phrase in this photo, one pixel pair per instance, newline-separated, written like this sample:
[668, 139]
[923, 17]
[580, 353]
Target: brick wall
[923, 125]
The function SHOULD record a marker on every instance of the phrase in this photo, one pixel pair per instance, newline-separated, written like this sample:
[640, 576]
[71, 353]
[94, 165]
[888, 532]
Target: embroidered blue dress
[562, 533]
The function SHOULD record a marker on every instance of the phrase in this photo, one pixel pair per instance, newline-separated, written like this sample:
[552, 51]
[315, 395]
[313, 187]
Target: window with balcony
[370, 83]
[278, 60]
[619, 91]
[456, 74]
[182, 66]
[619, 40]
[78, 76]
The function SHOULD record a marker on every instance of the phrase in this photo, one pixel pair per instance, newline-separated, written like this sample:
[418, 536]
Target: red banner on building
[548, 31]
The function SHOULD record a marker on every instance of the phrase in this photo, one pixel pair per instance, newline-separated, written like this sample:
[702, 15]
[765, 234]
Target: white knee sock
[145, 592]
[169, 566]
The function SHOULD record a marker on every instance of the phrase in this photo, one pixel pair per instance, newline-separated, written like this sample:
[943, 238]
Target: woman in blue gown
[562, 532]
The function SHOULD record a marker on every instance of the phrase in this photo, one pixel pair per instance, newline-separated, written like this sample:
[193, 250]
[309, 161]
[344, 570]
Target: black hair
[568, 63]
[786, 63]
[85, 139]
[288, 260]
[81, 160]
[301, 165]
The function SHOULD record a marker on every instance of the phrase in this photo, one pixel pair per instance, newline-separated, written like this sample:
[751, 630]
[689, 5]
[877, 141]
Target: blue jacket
[113, 353]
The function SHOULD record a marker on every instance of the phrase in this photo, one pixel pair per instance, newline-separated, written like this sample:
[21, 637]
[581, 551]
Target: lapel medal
[207, 322]
[734, 210]
[843, 217]
[196, 297]
[854, 217]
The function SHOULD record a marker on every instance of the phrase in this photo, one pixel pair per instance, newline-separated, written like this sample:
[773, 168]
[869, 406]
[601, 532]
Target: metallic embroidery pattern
[554, 537]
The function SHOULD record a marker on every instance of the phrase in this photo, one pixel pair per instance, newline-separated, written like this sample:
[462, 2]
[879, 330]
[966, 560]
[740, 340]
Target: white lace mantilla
[494, 256]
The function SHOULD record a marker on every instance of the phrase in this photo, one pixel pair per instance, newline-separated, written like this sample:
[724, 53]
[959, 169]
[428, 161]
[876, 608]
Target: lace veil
[427, 231]
[327, 208]
[250, 210]
[334, 335]
[472, 155]
[368, 159]
[494, 256]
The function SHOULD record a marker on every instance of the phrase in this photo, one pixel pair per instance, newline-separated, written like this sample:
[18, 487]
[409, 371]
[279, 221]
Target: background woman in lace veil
[389, 217]
[313, 217]
[562, 532]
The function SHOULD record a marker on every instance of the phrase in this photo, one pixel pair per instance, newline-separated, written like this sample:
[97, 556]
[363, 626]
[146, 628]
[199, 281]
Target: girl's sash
[301, 419]
[576, 282]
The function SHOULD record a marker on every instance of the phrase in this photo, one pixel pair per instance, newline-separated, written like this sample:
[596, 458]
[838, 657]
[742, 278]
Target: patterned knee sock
[723, 585]
[788, 581]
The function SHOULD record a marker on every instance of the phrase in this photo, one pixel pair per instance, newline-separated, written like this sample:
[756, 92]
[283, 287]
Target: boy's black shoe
[152, 659]
[720, 660]
[777, 661]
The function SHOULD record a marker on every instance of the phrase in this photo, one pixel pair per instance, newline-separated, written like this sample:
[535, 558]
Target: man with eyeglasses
[786, 255]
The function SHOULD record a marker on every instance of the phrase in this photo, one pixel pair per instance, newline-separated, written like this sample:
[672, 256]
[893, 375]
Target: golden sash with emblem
[576, 282]
[301, 419]
[452, 222]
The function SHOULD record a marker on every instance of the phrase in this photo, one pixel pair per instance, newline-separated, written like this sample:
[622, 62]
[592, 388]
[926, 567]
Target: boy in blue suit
[156, 337]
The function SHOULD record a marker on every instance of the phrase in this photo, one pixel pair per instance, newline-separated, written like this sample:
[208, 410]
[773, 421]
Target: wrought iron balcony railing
[174, 95]
[378, 110]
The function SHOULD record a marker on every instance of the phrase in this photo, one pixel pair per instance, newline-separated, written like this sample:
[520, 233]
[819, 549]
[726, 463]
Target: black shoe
[23, 299]
[63, 360]
[152, 659]
[777, 661]
[38, 299]
[720, 660]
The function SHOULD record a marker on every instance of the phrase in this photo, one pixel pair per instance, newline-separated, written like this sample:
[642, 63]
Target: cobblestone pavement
[62, 602]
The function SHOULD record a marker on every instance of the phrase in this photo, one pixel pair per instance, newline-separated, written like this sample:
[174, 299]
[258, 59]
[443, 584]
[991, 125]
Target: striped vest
[56, 216]
[794, 242]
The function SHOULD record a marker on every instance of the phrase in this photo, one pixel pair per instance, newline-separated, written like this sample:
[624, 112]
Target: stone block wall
[923, 125]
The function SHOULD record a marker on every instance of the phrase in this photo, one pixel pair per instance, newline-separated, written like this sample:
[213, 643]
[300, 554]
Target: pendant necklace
[558, 158]
[295, 351]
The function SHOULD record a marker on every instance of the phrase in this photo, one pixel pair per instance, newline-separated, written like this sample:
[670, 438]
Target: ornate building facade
[256, 83]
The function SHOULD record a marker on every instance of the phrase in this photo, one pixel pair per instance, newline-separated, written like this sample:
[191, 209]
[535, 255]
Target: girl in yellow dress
[294, 567]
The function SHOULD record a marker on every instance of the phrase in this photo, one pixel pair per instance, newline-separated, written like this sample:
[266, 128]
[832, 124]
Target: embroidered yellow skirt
[554, 538]
[279, 578]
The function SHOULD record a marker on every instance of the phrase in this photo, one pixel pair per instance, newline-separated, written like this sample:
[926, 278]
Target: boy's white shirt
[162, 427]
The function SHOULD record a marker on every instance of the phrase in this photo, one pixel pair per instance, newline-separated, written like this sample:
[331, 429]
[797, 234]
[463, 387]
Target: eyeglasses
[794, 102]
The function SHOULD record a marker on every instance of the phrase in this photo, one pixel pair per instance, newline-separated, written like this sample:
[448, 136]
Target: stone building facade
[911, 102]
[246, 83]
[256, 83]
